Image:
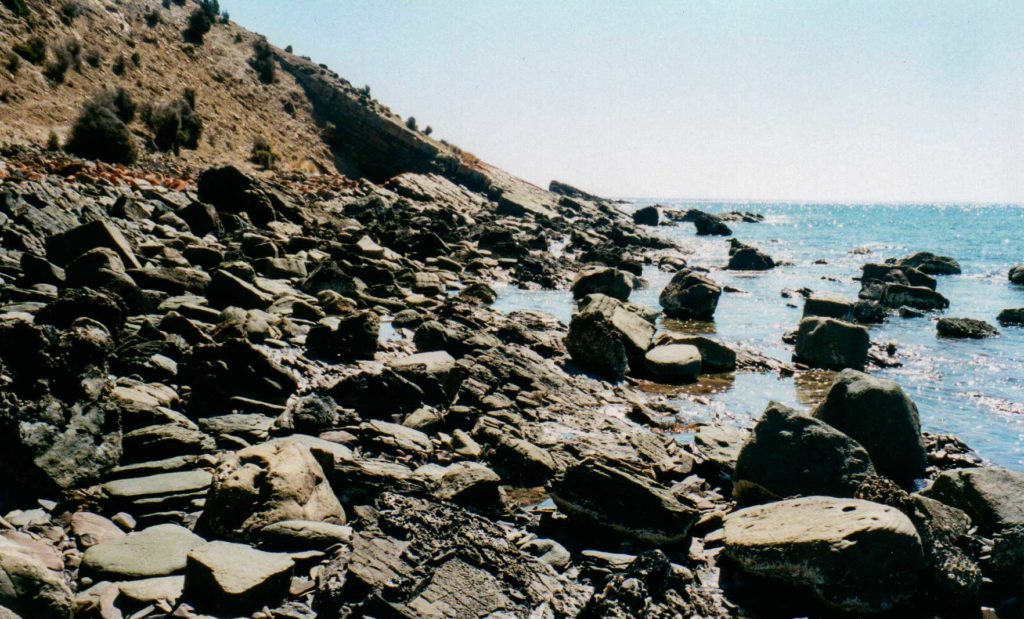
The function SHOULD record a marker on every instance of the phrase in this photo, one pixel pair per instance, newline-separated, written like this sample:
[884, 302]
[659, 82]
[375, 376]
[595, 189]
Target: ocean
[973, 389]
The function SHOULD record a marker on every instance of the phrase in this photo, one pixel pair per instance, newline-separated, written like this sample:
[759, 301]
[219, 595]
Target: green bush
[411, 123]
[199, 24]
[263, 62]
[70, 10]
[99, 133]
[262, 153]
[32, 50]
[67, 55]
[120, 65]
[52, 141]
[153, 18]
[122, 102]
[13, 63]
[18, 7]
[175, 125]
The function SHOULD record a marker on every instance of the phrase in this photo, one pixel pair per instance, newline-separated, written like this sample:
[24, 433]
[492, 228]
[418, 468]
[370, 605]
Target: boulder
[854, 556]
[674, 363]
[227, 290]
[906, 275]
[789, 454]
[267, 483]
[878, 415]
[743, 257]
[351, 337]
[606, 338]
[917, 297]
[1011, 317]
[965, 328]
[992, 497]
[29, 587]
[227, 577]
[624, 502]
[218, 373]
[828, 306]
[299, 535]
[690, 295]
[1016, 275]
[714, 356]
[64, 247]
[157, 551]
[646, 216]
[434, 372]
[707, 224]
[602, 280]
[831, 344]
[929, 263]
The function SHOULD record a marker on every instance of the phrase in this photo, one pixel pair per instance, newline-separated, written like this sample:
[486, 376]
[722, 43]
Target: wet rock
[831, 344]
[707, 224]
[1011, 317]
[874, 276]
[223, 576]
[854, 556]
[992, 497]
[917, 297]
[929, 263]
[789, 454]
[350, 337]
[602, 280]
[690, 295]
[157, 551]
[646, 216]
[1016, 274]
[965, 328]
[743, 257]
[623, 502]
[30, 588]
[715, 356]
[267, 483]
[879, 415]
[675, 363]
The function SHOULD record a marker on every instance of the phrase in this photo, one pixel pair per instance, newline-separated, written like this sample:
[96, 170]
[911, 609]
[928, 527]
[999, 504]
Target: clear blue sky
[863, 100]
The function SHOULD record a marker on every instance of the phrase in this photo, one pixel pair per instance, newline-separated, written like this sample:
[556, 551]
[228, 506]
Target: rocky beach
[285, 384]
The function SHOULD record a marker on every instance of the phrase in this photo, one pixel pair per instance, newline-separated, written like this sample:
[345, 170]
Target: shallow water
[973, 389]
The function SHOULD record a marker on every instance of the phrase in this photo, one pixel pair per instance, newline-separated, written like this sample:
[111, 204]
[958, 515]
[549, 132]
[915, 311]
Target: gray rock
[992, 497]
[743, 257]
[646, 216]
[917, 297]
[832, 344]
[690, 295]
[157, 551]
[789, 454]
[965, 328]
[828, 306]
[674, 363]
[223, 576]
[877, 414]
[602, 280]
[298, 535]
[929, 263]
[1016, 275]
[714, 356]
[623, 502]
[1011, 317]
[854, 556]
[31, 588]
[606, 338]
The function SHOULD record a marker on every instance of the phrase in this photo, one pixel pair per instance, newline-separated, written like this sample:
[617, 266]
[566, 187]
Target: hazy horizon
[785, 101]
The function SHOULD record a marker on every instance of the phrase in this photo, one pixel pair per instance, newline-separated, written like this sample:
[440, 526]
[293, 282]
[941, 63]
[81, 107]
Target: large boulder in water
[743, 257]
[714, 356]
[854, 556]
[929, 263]
[965, 328]
[707, 224]
[832, 344]
[603, 280]
[606, 338]
[1016, 274]
[647, 216]
[690, 295]
[917, 297]
[877, 414]
[674, 363]
[789, 454]
[1011, 316]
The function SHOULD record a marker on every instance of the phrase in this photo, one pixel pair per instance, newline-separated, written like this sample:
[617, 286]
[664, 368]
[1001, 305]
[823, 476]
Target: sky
[783, 100]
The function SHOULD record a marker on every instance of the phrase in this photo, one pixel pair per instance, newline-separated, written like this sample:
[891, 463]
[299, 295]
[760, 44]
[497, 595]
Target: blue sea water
[971, 388]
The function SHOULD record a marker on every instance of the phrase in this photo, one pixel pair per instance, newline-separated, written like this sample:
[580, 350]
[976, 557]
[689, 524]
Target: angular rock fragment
[832, 344]
[690, 295]
[223, 576]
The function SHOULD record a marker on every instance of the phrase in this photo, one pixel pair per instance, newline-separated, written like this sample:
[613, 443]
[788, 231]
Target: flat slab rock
[853, 555]
[235, 577]
[157, 551]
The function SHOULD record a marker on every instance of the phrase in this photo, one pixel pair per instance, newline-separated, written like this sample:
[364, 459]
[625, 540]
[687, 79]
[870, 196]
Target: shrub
[18, 7]
[13, 63]
[263, 62]
[120, 65]
[70, 10]
[428, 130]
[225, 17]
[67, 55]
[93, 57]
[262, 153]
[52, 141]
[411, 123]
[136, 59]
[288, 49]
[153, 18]
[98, 133]
[175, 125]
[199, 24]
[189, 95]
[122, 102]
[32, 50]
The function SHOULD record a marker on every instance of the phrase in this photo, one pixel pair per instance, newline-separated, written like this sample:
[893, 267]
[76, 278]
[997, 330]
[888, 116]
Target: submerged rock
[965, 328]
[877, 414]
[832, 344]
[853, 556]
[789, 454]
